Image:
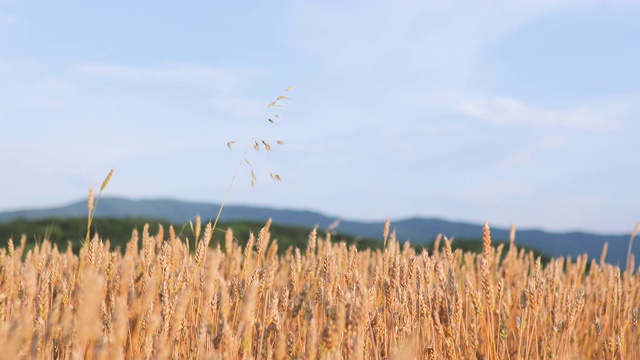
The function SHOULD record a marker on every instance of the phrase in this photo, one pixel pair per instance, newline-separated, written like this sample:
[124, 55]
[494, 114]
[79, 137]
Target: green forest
[65, 231]
[119, 231]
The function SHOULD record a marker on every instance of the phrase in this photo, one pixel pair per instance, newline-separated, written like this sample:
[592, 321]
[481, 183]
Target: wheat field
[158, 299]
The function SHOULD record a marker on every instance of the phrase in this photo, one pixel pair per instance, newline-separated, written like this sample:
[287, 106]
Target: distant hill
[417, 230]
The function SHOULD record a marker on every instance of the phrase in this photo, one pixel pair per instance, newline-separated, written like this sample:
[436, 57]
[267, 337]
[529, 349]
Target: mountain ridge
[418, 230]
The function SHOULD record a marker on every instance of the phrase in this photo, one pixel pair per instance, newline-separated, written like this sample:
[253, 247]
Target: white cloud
[502, 110]
[441, 39]
[10, 19]
[220, 78]
[526, 155]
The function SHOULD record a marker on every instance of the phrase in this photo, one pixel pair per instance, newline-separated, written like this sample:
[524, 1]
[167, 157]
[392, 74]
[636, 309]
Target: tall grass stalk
[92, 206]
[256, 144]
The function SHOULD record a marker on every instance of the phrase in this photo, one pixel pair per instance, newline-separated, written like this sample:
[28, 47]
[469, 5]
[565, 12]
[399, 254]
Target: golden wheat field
[158, 299]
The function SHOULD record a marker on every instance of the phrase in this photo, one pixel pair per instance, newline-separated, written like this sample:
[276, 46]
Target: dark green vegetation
[419, 231]
[118, 232]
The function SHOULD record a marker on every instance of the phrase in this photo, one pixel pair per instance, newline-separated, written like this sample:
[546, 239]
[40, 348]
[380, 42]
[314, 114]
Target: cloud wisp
[185, 74]
[503, 110]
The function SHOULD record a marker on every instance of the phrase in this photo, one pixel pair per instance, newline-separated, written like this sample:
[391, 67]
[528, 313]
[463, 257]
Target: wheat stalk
[160, 300]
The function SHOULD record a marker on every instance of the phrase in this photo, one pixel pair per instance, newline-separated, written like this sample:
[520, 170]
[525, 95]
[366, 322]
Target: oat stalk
[256, 144]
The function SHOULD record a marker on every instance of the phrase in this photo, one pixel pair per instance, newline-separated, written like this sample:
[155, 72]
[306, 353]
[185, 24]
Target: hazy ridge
[417, 230]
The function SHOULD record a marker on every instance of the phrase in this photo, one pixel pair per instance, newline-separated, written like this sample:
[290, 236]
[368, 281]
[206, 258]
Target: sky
[523, 112]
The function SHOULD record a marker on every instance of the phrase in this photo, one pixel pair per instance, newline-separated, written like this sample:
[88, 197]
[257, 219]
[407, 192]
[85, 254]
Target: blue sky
[524, 112]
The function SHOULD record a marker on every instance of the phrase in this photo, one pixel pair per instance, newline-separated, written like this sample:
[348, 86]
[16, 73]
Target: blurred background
[508, 112]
